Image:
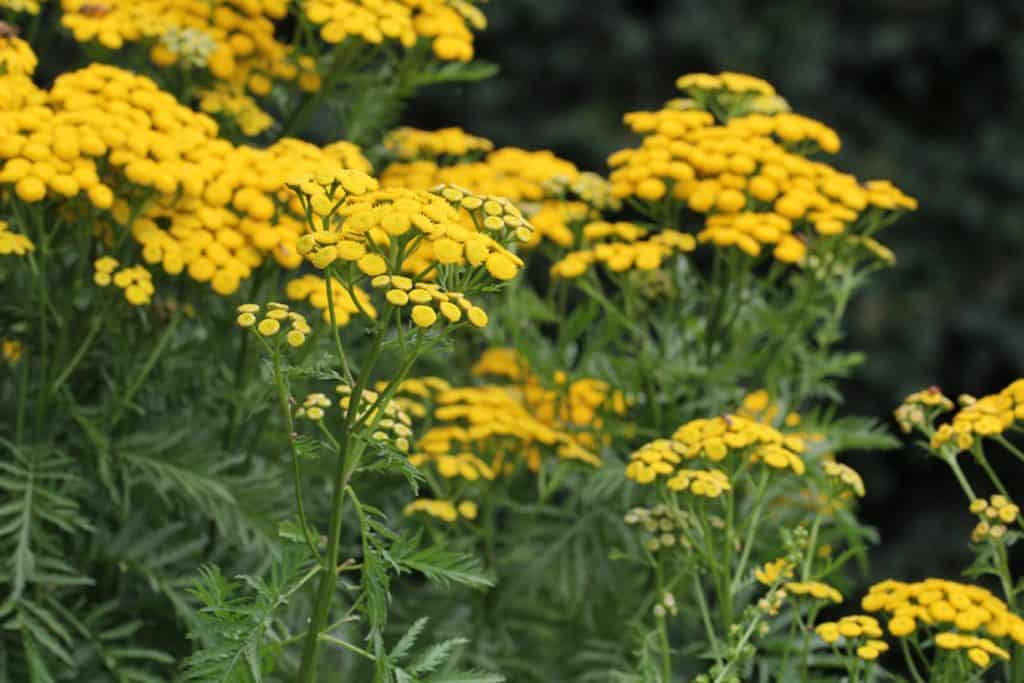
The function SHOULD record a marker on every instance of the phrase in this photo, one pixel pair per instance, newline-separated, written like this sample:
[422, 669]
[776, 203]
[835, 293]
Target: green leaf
[435, 656]
[445, 567]
[408, 640]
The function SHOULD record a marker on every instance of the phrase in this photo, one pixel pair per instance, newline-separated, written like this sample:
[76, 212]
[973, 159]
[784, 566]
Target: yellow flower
[11, 349]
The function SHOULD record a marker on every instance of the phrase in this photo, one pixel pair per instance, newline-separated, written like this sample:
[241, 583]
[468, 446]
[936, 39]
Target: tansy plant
[426, 254]
[578, 425]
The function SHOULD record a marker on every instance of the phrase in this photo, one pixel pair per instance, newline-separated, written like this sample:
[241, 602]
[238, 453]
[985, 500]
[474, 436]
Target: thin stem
[348, 646]
[77, 358]
[955, 466]
[751, 531]
[811, 543]
[911, 664]
[705, 616]
[339, 349]
[286, 411]
[150, 363]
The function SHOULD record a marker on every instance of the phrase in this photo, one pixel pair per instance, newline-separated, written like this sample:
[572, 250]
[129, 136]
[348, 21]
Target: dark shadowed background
[929, 93]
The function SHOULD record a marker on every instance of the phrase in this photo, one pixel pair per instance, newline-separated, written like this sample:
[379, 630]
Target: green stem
[150, 363]
[339, 349]
[286, 411]
[955, 466]
[811, 543]
[751, 531]
[77, 358]
[325, 591]
[348, 646]
[705, 616]
[911, 664]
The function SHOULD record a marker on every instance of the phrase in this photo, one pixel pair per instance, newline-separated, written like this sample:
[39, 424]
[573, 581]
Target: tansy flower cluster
[444, 510]
[994, 514]
[136, 281]
[984, 417]
[236, 105]
[758, 405]
[233, 41]
[192, 202]
[391, 231]
[920, 407]
[938, 603]
[774, 572]
[495, 421]
[714, 439]
[577, 406]
[621, 247]
[979, 650]
[746, 175]
[421, 299]
[814, 589]
[410, 144]
[313, 407]
[347, 302]
[447, 24]
[276, 316]
[13, 243]
[845, 475]
[16, 55]
[590, 188]
[29, 6]
[706, 483]
[11, 350]
[727, 80]
[517, 174]
[858, 630]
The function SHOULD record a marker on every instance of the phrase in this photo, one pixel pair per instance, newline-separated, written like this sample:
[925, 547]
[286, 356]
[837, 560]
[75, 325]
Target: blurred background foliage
[929, 93]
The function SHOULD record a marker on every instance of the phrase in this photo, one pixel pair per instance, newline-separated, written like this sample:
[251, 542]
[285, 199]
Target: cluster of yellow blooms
[136, 281]
[745, 173]
[979, 418]
[846, 475]
[409, 144]
[481, 432]
[444, 510]
[714, 439]
[29, 6]
[193, 202]
[313, 407]
[241, 108]
[774, 571]
[232, 39]
[395, 231]
[815, 589]
[11, 350]
[942, 604]
[727, 80]
[347, 303]
[759, 406]
[994, 514]
[621, 247]
[13, 243]
[517, 174]
[915, 408]
[423, 296]
[270, 325]
[447, 24]
[574, 406]
[554, 195]
[861, 629]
